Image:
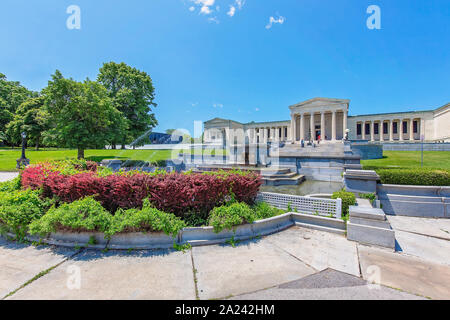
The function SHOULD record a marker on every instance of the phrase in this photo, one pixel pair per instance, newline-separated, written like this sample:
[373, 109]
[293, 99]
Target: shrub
[175, 193]
[82, 215]
[227, 217]
[11, 185]
[19, 208]
[415, 176]
[263, 210]
[348, 199]
[369, 196]
[146, 220]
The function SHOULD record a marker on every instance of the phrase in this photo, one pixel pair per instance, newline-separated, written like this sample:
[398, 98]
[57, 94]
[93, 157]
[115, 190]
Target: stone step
[279, 175]
[295, 180]
[320, 228]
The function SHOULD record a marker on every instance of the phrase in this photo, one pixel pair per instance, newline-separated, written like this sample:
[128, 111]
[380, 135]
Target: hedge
[415, 176]
[348, 199]
[176, 193]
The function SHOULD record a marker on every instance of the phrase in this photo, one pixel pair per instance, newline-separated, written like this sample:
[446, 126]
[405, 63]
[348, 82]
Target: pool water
[306, 188]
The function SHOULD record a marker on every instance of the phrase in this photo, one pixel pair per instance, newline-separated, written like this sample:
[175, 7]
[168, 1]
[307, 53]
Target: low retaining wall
[415, 201]
[416, 146]
[320, 206]
[193, 236]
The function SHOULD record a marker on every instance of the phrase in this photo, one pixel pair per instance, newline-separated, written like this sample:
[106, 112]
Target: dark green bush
[229, 216]
[135, 164]
[263, 210]
[415, 176]
[19, 208]
[11, 185]
[146, 220]
[348, 199]
[82, 215]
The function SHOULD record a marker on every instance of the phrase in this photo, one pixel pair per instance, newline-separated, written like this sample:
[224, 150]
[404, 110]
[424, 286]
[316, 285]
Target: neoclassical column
[277, 134]
[312, 127]
[302, 126]
[422, 128]
[294, 129]
[401, 130]
[391, 130]
[363, 130]
[322, 125]
[333, 126]
[264, 130]
[381, 130]
[372, 130]
[411, 129]
[344, 122]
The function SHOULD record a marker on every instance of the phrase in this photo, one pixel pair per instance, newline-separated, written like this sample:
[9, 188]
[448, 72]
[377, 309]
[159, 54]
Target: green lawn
[411, 159]
[8, 157]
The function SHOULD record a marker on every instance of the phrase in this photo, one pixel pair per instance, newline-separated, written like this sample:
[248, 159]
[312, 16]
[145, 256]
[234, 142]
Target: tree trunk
[114, 146]
[123, 146]
[37, 145]
[80, 153]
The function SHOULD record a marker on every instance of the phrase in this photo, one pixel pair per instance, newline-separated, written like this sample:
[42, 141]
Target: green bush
[82, 215]
[415, 176]
[11, 185]
[19, 208]
[229, 216]
[348, 199]
[369, 196]
[263, 210]
[146, 220]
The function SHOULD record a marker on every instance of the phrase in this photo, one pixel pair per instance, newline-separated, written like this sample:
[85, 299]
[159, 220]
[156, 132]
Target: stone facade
[328, 119]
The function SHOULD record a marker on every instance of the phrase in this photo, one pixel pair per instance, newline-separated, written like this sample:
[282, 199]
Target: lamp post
[23, 161]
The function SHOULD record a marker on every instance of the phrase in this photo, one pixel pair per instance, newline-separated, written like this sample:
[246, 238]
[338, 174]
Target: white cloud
[232, 11]
[191, 9]
[237, 5]
[218, 105]
[256, 109]
[213, 19]
[273, 21]
[205, 5]
[240, 3]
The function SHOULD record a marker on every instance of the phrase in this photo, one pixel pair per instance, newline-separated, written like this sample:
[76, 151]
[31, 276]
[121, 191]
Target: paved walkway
[297, 263]
[4, 176]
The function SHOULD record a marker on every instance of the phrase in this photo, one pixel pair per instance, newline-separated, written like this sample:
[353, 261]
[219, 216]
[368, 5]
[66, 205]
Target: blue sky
[206, 63]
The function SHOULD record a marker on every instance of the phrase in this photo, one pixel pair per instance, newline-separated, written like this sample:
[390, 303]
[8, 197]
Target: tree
[12, 94]
[80, 114]
[132, 93]
[30, 117]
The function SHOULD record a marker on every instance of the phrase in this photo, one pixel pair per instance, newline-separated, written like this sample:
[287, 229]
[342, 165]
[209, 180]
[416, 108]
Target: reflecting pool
[306, 188]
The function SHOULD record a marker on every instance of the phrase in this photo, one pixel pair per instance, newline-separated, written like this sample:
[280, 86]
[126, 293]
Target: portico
[319, 119]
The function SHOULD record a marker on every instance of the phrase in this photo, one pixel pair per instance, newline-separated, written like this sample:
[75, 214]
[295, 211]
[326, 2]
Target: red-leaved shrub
[176, 192]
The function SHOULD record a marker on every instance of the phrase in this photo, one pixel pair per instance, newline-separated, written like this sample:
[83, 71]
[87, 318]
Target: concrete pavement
[295, 264]
[5, 176]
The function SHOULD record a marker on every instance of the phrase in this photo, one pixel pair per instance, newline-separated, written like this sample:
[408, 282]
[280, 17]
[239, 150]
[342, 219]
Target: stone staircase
[271, 176]
[281, 176]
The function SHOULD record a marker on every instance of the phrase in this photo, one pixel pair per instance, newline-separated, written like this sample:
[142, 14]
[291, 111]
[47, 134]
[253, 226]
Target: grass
[410, 159]
[9, 156]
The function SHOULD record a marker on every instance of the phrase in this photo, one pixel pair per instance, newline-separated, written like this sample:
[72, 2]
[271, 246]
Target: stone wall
[416, 147]
[367, 150]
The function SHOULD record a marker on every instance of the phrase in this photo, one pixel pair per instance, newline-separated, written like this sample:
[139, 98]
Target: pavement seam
[359, 261]
[295, 257]
[194, 271]
[40, 275]
[423, 235]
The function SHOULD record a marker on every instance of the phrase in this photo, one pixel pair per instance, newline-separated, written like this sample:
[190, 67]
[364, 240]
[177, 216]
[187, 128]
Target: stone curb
[200, 236]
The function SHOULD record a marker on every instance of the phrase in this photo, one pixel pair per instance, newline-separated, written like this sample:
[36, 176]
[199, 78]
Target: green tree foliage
[12, 95]
[132, 93]
[30, 117]
[80, 114]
